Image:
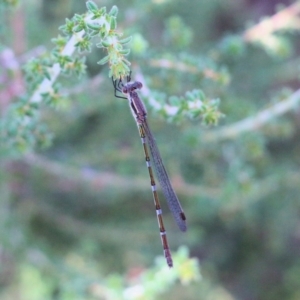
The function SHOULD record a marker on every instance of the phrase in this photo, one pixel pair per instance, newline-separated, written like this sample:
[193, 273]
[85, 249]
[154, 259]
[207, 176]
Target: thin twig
[100, 180]
[184, 67]
[284, 19]
[254, 123]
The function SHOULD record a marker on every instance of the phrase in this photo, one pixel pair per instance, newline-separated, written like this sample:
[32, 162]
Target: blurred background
[77, 217]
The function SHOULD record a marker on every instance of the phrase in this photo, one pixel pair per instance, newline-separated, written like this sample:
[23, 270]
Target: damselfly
[139, 113]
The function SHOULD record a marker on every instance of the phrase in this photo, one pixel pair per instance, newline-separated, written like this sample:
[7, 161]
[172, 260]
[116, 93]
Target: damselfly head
[125, 88]
[131, 86]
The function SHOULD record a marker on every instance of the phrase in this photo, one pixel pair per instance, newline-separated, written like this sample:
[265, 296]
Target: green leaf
[126, 40]
[47, 75]
[113, 11]
[124, 51]
[94, 26]
[102, 10]
[113, 23]
[77, 28]
[91, 6]
[126, 62]
[77, 18]
[105, 43]
[103, 61]
[68, 27]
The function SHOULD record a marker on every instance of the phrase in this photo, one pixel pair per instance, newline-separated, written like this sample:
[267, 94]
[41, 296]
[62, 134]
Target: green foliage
[178, 34]
[41, 73]
[77, 220]
[9, 2]
[153, 282]
[194, 105]
[139, 45]
[146, 284]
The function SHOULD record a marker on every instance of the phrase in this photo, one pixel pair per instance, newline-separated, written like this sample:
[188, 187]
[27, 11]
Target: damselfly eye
[124, 90]
[139, 85]
[136, 85]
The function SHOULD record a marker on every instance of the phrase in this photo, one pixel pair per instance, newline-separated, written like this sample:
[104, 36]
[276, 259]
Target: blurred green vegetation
[77, 218]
